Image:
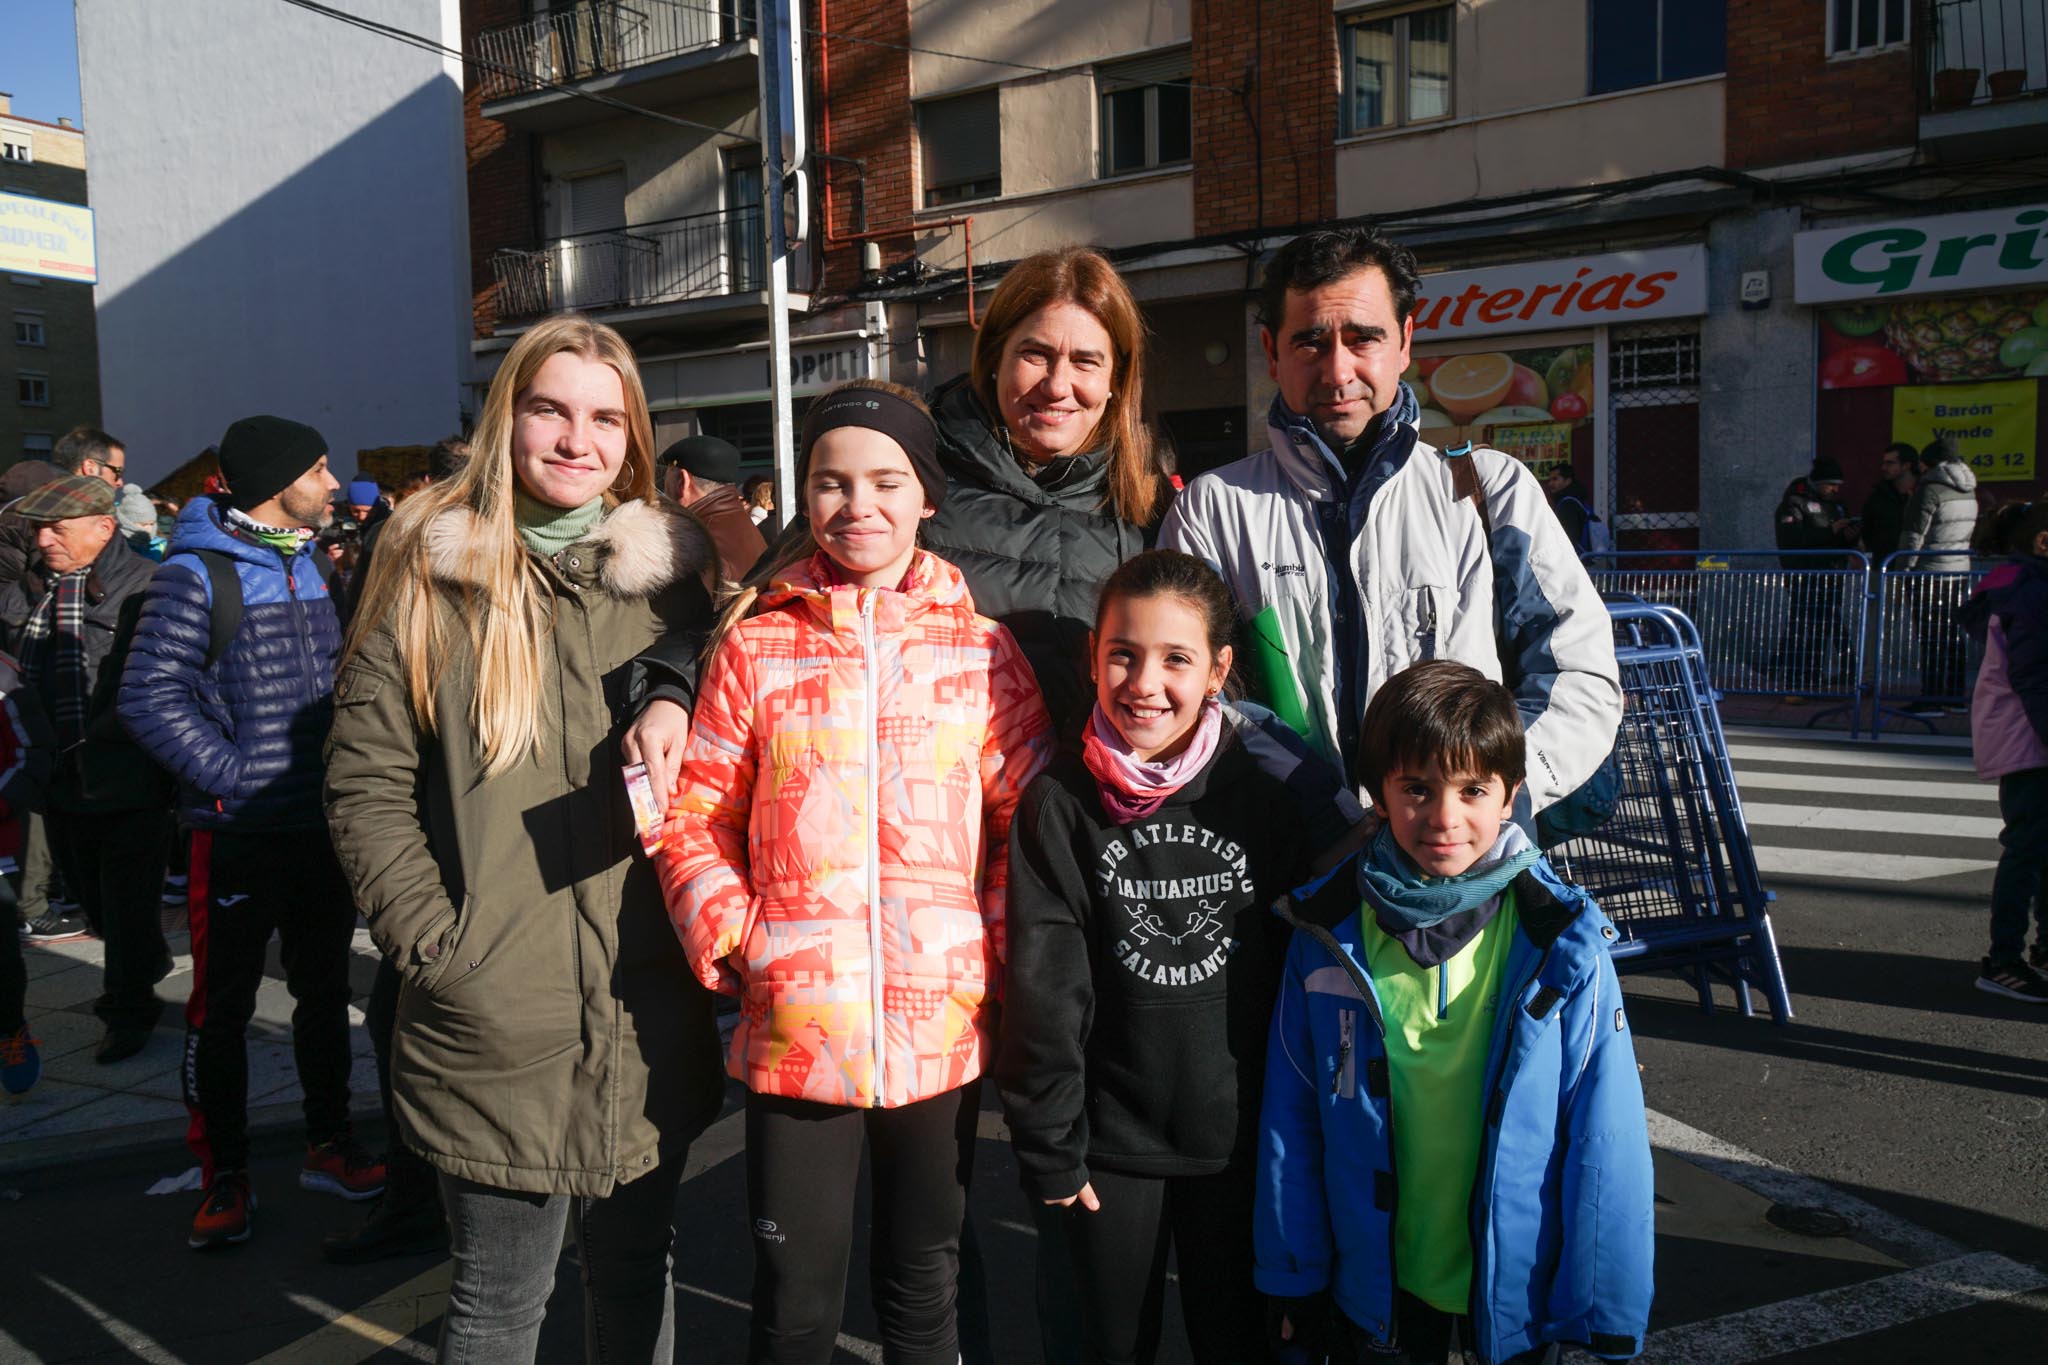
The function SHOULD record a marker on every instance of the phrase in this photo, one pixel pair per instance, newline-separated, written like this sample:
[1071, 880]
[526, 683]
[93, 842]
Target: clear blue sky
[40, 62]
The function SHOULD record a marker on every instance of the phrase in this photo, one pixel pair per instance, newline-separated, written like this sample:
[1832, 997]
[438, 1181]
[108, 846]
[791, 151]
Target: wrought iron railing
[575, 42]
[1982, 50]
[698, 257]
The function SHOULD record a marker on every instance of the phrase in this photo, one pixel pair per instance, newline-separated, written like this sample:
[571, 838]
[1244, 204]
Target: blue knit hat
[362, 493]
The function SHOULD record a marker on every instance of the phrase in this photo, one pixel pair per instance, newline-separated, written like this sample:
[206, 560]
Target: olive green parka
[550, 1035]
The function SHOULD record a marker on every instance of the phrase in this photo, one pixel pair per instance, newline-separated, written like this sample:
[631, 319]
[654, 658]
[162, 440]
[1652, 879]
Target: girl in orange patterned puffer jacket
[836, 855]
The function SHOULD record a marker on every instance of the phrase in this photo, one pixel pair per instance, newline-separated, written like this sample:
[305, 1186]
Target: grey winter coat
[1942, 516]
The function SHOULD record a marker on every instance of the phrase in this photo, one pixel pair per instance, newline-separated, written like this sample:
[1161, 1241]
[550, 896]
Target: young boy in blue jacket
[1454, 1162]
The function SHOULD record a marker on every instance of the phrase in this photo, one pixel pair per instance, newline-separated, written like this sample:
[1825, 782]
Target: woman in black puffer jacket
[1052, 480]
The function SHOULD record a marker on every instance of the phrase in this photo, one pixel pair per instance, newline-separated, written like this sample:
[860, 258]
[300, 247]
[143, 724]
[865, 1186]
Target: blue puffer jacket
[1562, 1233]
[243, 737]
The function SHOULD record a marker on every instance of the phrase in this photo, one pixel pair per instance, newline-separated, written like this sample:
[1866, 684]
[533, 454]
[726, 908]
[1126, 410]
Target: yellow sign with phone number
[1992, 425]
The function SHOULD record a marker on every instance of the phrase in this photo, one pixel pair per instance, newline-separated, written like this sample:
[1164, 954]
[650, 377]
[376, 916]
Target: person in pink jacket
[836, 854]
[2008, 613]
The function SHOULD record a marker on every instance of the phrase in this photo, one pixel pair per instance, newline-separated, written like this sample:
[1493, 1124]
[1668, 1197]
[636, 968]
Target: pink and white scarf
[1133, 788]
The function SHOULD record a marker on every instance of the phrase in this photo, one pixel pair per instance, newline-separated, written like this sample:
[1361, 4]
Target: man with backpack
[1358, 548]
[229, 687]
[1574, 508]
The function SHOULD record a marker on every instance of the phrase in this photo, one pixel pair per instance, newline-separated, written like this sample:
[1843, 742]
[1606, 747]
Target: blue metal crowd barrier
[1923, 659]
[1674, 868]
[1783, 623]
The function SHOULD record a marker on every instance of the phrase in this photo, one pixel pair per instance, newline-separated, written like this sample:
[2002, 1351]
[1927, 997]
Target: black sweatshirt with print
[1143, 965]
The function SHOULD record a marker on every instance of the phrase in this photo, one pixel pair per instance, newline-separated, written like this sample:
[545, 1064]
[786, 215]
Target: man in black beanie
[230, 687]
[701, 472]
[1815, 657]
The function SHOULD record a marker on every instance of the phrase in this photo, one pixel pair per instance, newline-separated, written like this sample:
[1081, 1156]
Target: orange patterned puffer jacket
[836, 852]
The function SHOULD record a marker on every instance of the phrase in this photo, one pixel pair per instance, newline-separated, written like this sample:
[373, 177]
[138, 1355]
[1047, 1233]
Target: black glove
[1311, 1326]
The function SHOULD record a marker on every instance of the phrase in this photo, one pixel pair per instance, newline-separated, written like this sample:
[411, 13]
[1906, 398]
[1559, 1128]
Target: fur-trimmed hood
[636, 551]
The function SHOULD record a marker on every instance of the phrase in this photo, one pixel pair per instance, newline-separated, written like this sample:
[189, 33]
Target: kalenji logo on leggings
[765, 1229]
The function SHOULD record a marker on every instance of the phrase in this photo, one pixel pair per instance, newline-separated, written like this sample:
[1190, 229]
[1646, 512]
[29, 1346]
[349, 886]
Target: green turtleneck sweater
[547, 531]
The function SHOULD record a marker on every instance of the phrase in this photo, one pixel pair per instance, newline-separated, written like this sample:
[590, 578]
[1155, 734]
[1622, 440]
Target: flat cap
[68, 495]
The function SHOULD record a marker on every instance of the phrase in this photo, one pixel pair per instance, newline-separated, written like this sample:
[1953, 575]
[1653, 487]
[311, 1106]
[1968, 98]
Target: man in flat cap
[231, 687]
[701, 472]
[70, 624]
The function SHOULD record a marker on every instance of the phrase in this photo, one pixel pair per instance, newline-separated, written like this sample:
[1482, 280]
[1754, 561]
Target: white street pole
[782, 158]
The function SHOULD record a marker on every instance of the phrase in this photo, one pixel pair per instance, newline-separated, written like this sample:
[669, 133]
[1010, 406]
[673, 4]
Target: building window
[1865, 25]
[961, 139]
[1397, 69]
[1147, 113]
[15, 147]
[1648, 42]
[32, 390]
[37, 445]
[746, 243]
[28, 330]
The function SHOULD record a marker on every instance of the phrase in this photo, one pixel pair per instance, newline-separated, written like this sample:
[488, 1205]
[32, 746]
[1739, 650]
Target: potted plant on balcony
[1955, 86]
[2005, 84]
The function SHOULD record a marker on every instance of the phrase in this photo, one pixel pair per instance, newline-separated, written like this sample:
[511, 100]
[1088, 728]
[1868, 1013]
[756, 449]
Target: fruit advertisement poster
[1530, 403]
[1938, 339]
[1992, 425]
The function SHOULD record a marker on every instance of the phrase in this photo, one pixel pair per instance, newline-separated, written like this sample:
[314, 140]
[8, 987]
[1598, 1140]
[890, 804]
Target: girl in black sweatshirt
[1143, 965]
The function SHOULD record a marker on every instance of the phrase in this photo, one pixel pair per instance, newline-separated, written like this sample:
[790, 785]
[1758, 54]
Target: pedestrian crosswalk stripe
[1750, 779]
[1852, 758]
[1838, 865]
[1766, 816]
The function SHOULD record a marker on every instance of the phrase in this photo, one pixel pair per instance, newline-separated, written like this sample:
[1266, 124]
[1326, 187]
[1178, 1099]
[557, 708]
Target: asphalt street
[1866, 1183]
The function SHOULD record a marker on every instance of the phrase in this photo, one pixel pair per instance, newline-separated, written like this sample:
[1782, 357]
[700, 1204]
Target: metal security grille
[1653, 436]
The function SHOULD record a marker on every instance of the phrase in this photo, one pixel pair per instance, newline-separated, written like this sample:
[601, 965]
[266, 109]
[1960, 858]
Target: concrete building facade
[281, 214]
[1608, 200]
[49, 377]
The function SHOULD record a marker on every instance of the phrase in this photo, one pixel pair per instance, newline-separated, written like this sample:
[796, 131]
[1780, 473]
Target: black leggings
[803, 1164]
[1119, 1256]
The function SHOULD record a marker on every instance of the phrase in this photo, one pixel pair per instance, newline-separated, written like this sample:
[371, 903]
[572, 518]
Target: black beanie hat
[1825, 470]
[261, 456]
[906, 421]
[704, 457]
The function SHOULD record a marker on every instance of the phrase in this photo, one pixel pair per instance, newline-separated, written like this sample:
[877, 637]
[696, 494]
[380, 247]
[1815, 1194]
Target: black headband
[902, 421]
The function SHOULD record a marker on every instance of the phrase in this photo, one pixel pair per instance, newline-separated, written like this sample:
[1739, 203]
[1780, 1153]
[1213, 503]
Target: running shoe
[21, 1065]
[2014, 980]
[2037, 956]
[176, 886]
[225, 1214]
[341, 1167]
[57, 927]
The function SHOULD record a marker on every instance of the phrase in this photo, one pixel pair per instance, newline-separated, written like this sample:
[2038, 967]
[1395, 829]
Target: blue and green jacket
[1562, 1207]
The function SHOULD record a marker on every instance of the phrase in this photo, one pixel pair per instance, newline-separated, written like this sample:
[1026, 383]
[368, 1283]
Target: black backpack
[227, 597]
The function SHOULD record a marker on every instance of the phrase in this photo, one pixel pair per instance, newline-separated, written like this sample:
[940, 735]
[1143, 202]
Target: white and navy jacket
[1428, 587]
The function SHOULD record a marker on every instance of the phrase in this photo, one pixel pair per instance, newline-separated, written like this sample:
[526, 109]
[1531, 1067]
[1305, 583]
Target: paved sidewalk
[81, 1108]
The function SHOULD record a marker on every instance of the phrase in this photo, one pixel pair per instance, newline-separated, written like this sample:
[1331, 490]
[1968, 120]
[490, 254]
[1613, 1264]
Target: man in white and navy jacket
[1357, 536]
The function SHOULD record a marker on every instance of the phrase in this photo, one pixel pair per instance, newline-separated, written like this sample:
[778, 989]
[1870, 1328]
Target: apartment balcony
[709, 267]
[650, 52]
[1985, 91]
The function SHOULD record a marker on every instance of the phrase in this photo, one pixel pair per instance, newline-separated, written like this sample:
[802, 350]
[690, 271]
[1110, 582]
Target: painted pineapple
[1957, 338]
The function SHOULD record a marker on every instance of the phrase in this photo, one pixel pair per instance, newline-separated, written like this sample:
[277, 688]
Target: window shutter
[962, 138]
[597, 203]
[1158, 68]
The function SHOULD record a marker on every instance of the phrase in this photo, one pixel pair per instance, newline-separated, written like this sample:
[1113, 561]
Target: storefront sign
[1949, 254]
[1622, 286]
[814, 371]
[44, 237]
[1993, 425]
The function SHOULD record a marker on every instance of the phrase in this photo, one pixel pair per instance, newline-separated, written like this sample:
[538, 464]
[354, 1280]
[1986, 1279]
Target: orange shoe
[339, 1166]
[224, 1215]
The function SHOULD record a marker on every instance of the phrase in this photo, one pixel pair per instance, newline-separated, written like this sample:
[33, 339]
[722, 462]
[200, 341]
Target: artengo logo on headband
[1541, 296]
